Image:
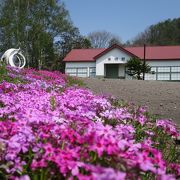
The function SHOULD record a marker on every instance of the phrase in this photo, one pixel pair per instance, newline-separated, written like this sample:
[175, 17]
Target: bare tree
[142, 38]
[102, 39]
[115, 40]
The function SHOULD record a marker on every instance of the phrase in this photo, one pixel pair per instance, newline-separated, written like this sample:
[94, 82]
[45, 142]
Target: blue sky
[125, 18]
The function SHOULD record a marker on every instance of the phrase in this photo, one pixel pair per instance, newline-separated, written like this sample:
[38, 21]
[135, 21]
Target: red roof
[152, 53]
[82, 55]
[157, 52]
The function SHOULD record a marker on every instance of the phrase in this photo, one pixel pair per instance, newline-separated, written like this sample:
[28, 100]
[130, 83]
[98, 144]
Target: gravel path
[162, 98]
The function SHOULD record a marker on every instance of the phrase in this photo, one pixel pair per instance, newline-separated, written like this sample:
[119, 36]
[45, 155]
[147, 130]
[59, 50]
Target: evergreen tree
[136, 67]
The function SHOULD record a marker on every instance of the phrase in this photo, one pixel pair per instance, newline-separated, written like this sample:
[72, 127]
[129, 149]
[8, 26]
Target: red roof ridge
[112, 47]
[90, 49]
[152, 46]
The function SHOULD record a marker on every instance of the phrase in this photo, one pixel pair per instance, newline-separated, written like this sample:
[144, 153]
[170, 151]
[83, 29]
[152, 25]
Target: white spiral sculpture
[14, 58]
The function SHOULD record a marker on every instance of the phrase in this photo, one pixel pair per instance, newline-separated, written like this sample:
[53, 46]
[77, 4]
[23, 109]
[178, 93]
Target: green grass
[72, 81]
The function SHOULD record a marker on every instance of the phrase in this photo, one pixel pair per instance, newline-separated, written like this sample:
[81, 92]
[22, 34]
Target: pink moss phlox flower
[18, 143]
[141, 119]
[176, 167]
[23, 177]
[118, 114]
[125, 131]
[152, 159]
[108, 173]
[38, 164]
[102, 173]
[142, 109]
[148, 141]
[166, 177]
[73, 133]
[168, 126]
[55, 78]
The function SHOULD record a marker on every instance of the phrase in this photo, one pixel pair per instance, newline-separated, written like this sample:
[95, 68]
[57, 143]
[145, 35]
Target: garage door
[112, 70]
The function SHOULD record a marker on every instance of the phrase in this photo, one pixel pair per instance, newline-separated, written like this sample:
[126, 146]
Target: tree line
[163, 33]
[42, 28]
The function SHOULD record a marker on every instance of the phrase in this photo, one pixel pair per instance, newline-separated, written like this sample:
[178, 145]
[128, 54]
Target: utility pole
[144, 61]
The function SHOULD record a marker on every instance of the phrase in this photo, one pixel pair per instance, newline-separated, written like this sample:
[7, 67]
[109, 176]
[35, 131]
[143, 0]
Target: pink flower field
[50, 129]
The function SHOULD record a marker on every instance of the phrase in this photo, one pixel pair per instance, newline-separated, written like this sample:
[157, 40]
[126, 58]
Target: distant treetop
[103, 39]
[163, 33]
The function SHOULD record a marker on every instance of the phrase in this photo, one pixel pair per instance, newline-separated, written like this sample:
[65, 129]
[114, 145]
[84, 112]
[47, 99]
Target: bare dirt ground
[162, 98]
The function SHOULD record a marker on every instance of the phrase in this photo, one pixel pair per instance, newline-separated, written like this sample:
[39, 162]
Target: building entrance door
[112, 70]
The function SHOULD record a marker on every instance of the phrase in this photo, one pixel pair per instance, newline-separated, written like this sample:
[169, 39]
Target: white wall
[164, 73]
[80, 64]
[111, 54]
[164, 63]
[121, 70]
[84, 73]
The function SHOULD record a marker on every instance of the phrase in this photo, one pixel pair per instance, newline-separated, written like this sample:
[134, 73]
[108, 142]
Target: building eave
[115, 46]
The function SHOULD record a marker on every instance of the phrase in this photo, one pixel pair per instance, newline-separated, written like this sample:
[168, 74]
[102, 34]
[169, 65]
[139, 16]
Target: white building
[111, 62]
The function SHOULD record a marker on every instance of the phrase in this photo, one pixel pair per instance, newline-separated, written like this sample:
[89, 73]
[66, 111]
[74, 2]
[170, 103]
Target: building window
[153, 69]
[163, 69]
[123, 58]
[166, 73]
[92, 72]
[109, 59]
[175, 76]
[80, 71]
[116, 58]
[71, 70]
[175, 69]
[163, 76]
